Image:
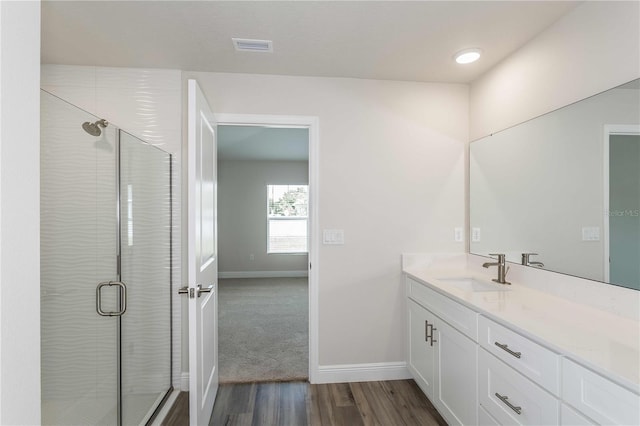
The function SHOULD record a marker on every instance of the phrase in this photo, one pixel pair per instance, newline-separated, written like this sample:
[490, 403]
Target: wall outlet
[252, 256]
[458, 235]
[475, 235]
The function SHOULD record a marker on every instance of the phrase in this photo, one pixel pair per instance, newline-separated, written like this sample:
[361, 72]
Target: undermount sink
[471, 284]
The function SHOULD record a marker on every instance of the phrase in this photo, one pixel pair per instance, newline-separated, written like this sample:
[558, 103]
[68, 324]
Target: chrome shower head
[94, 128]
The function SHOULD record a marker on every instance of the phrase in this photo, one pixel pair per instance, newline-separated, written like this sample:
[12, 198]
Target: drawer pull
[504, 399]
[506, 348]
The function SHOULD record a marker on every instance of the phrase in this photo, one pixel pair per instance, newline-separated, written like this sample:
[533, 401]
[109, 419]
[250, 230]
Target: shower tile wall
[148, 104]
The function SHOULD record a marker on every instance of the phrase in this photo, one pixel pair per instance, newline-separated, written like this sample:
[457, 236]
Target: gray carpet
[263, 329]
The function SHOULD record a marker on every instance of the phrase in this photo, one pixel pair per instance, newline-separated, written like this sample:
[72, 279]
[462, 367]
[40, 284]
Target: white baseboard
[362, 372]
[262, 274]
[184, 381]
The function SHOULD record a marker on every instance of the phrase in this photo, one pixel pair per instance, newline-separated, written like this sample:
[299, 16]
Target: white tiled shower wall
[148, 104]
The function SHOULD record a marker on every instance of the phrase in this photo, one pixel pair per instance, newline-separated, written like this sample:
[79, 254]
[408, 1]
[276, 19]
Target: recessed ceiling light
[250, 45]
[467, 56]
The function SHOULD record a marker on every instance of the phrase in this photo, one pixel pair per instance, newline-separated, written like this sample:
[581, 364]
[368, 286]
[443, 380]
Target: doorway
[267, 235]
[622, 204]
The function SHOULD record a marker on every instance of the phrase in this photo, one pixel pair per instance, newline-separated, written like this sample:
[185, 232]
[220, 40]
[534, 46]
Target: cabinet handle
[504, 399]
[431, 334]
[428, 332]
[506, 348]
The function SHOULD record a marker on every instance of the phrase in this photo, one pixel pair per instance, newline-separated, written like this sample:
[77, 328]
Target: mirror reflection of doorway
[624, 209]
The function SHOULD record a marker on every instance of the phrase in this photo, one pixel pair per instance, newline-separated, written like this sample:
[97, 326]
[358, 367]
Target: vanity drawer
[459, 316]
[599, 398]
[510, 397]
[528, 358]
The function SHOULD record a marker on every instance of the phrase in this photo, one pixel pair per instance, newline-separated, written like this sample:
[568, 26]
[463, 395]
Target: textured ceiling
[390, 40]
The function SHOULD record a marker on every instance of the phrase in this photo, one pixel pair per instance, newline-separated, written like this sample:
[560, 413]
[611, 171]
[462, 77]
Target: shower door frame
[119, 278]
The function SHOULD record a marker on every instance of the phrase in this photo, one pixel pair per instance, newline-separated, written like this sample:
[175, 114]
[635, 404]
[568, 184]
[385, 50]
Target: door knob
[200, 290]
[193, 291]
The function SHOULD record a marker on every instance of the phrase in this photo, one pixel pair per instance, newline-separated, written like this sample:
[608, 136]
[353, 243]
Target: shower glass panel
[105, 217]
[145, 266]
[78, 250]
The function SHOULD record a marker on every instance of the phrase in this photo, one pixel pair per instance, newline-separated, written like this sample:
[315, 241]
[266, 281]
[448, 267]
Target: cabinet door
[421, 354]
[456, 376]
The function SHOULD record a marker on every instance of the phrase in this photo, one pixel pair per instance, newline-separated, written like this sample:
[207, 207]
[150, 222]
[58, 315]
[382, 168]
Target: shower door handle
[122, 289]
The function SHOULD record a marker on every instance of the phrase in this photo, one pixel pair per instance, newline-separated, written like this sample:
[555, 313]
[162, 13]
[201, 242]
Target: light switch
[591, 233]
[475, 235]
[333, 236]
[458, 235]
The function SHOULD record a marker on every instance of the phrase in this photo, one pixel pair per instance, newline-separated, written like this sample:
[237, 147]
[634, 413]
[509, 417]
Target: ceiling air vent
[248, 45]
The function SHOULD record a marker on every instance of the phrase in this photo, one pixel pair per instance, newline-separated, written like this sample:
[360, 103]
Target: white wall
[391, 175]
[242, 209]
[20, 213]
[148, 104]
[593, 48]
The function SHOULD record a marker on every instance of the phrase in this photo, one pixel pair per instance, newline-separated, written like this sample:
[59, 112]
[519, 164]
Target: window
[287, 213]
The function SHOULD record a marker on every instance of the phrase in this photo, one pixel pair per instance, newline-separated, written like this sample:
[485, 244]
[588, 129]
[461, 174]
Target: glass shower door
[105, 271]
[145, 208]
[78, 251]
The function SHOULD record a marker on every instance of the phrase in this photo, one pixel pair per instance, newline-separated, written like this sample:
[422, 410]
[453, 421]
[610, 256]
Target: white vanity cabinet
[479, 368]
[441, 358]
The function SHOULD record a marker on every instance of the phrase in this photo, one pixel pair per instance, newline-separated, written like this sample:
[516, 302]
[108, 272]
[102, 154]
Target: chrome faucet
[502, 271]
[527, 262]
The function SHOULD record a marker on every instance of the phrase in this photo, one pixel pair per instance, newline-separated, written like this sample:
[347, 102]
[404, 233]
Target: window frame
[286, 218]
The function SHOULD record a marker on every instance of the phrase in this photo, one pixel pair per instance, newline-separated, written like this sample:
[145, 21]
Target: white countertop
[604, 342]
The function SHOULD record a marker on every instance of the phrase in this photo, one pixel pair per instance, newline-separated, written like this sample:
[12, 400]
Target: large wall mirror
[565, 185]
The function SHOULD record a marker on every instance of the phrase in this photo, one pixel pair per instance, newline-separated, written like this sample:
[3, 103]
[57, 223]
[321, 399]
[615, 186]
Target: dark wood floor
[391, 403]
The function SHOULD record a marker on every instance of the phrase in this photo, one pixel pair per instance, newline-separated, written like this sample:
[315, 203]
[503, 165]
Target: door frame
[611, 130]
[312, 123]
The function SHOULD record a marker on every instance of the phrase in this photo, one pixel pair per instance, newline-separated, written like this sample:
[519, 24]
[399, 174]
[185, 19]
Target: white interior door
[203, 259]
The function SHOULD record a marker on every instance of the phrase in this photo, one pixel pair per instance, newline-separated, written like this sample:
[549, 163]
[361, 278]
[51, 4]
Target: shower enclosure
[105, 271]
